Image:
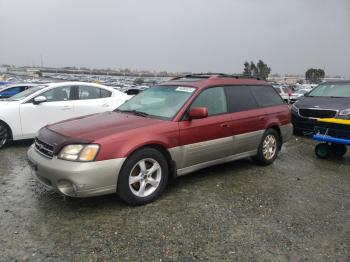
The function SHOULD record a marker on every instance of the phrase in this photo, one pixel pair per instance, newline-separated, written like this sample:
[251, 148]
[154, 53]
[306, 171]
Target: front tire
[4, 134]
[268, 148]
[143, 177]
[323, 150]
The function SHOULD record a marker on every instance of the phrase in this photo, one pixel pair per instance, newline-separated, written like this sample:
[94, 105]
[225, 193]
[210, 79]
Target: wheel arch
[8, 127]
[278, 130]
[162, 149]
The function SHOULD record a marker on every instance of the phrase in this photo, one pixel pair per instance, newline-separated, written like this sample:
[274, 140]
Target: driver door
[59, 106]
[209, 138]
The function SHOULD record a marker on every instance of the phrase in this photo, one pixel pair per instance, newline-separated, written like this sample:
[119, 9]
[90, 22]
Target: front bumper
[76, 179]
[303, 123]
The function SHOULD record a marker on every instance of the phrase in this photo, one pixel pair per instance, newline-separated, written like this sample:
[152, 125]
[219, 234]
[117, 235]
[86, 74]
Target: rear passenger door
[91, 100]
[209, 138]
[272, 103]
[248, 118]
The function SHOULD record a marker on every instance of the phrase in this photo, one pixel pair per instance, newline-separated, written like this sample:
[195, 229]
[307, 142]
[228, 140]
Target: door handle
[262, 118]
[225, 125]
[67, 108]
[105, 105]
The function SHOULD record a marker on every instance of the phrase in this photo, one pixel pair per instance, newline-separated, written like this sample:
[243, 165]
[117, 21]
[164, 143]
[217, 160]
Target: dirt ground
[296, 209]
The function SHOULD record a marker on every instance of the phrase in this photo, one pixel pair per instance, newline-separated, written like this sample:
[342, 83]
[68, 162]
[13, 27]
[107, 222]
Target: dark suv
[169, 130]
[327, 100]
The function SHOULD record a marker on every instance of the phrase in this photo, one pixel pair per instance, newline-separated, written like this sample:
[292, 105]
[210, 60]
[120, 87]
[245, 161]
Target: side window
[92, 92]
[58, 94]
[214, 99]
[13, 90]
[266, 96]
[105, 93]
[240, 98]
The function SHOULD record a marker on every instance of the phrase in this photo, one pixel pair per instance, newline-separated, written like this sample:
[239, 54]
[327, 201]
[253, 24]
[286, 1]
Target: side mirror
[198, 112]
[39, 99]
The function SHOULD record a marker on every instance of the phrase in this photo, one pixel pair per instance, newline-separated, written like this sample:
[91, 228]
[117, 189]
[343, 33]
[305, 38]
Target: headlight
[294, 108]
[83, 153]
[344, 112]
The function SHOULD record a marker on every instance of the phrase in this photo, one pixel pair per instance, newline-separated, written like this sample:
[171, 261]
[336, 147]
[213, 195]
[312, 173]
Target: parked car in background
[283, 91]
[22, 115]
[327, 100]
[169, 130]
[11, 90]
[135, 90]
[298, 94]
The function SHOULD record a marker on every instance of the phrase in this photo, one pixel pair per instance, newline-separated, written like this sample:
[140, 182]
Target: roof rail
[210, 75]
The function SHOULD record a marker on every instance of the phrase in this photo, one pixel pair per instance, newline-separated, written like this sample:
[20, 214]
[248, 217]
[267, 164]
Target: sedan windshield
[25, 93]
[332, 90]
[160, 101]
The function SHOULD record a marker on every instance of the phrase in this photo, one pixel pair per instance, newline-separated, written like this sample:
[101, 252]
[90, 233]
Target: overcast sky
[178, 35]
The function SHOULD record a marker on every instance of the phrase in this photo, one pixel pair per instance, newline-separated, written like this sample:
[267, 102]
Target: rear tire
[268, 149]
[323, 150]
[143, 177]
[338, 150]
[4, 134]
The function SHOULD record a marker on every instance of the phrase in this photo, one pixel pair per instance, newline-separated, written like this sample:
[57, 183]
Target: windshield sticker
[185, 89]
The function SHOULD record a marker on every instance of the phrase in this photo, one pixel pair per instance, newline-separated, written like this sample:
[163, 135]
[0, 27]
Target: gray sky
[178, 35]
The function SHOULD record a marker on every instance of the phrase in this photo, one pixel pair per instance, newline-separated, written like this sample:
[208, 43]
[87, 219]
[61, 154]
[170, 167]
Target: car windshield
[26, 93]
[332, 90]
[159, 101]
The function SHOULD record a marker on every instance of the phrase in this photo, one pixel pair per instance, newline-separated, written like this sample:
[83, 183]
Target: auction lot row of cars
[96, 140]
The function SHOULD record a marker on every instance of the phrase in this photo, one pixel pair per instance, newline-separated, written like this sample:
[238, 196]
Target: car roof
[345, 81]
[17, 84]
[202, 81]
[75, 83]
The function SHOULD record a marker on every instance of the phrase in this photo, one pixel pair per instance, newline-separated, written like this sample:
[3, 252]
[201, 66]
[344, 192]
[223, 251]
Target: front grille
[317, 113]
[44, 148]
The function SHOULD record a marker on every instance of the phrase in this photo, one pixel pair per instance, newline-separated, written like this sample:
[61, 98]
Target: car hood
[93, 127]
[324, 102]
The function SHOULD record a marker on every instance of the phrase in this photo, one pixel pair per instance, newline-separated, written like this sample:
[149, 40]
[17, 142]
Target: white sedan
[22, 115]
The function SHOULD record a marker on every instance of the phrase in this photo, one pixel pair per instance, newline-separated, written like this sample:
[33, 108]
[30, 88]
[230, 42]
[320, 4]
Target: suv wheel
[268, 148]
[4, 134]
[143, 177]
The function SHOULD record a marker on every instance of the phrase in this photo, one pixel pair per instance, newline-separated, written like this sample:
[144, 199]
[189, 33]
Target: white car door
[92, 99]
[58, 107]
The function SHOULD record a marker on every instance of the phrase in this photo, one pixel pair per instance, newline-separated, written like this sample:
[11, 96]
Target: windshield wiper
[135, 112]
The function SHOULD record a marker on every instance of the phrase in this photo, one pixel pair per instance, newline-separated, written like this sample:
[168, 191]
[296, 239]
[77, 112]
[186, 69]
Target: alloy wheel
[145, 177]
[269, 147]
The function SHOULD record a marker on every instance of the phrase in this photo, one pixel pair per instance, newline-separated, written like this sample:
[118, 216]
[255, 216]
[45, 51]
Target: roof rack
[209, 75]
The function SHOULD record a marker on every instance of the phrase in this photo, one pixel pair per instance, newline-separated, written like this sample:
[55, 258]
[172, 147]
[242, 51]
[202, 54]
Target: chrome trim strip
[319, 109]
[190, 169]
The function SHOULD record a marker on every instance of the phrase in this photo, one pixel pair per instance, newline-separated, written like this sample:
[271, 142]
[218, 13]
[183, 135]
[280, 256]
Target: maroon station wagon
[169, 130]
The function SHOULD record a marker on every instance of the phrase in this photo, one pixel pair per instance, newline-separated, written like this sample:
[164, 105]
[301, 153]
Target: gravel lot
[296, 209]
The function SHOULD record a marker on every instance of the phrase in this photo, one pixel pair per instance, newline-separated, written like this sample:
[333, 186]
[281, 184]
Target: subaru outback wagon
[169, 130]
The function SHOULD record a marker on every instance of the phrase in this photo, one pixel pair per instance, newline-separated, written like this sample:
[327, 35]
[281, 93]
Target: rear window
[266, 96]
[240, 98]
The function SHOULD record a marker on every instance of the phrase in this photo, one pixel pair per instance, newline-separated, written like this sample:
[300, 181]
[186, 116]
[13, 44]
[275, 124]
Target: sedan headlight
[294, 108]
[344, 112]
[83, 153]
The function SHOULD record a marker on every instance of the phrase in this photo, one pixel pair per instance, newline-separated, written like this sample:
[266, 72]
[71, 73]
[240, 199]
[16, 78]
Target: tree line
[262, 71]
